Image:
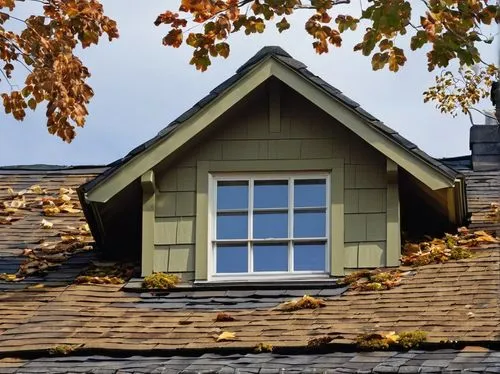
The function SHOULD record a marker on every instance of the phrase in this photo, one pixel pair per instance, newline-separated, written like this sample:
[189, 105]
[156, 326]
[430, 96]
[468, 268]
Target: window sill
[316, 283]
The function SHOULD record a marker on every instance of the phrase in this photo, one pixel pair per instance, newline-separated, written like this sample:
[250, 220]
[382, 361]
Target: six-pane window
[270, 225]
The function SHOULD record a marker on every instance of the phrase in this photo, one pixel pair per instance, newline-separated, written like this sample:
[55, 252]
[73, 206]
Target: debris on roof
[450, 247]
[57, 241]
[161, 281]
[373, 280]
[382, 341]
[106, 273]
[305, 302]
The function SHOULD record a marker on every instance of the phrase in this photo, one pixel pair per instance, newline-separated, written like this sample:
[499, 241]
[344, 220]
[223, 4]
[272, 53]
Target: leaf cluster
[161, 281]
[305, 302]
[45, 48]
[451, 30]
[106, 274]
[372, 280]
[69, 240]
[450, 247]
[385, 340]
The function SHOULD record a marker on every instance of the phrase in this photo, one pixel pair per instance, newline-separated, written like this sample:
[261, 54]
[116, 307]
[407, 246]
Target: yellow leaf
[10, 210]
[66, 191]
[10, 191]
[20, 203]
[65, 198]
[226, 336]
[391, 336]
[68, 208]
[37, 190]
[46, 224]
[51, 210]
[84, 228]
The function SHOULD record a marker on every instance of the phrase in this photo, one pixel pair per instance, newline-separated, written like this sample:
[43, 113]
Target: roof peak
[270, 50]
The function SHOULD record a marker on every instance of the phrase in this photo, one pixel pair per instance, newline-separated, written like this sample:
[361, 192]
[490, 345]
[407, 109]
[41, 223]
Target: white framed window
[269, 225]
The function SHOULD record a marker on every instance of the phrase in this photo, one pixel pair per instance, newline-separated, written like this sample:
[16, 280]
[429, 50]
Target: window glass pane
[270, 194]
[310, 256]
[270, 257]
[309, 192]
[232, 259]
[232, 226]
[270, 225]
[232, 195]
[309, 224]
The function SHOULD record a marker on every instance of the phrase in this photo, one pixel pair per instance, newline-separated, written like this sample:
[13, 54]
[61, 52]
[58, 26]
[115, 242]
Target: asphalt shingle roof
[174, 331]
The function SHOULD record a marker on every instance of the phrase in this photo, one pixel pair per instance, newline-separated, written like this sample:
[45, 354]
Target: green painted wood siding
[245, 134]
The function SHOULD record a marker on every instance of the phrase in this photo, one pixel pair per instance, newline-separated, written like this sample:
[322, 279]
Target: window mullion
[250, 224]
[290, 224]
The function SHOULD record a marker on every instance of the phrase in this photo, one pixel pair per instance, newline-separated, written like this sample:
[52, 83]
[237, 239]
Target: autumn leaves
[44, 49]
[59, 242]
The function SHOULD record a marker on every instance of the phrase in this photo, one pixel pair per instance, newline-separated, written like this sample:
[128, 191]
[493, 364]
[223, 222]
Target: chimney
[485, 145]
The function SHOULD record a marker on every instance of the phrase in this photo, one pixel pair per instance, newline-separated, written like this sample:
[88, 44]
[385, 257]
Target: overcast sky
[140, 86]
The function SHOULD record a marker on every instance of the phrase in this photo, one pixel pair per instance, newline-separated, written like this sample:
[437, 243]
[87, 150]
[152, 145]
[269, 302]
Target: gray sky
[140, 86]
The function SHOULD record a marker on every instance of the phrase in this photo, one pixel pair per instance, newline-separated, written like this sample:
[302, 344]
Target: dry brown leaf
[306, 302]
[8, 220]
[226, 336]
[27, 252]
[46, 224]
[224, 317]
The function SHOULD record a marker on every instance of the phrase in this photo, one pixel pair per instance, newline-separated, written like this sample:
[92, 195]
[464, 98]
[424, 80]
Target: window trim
[335, 166]
[251, 177]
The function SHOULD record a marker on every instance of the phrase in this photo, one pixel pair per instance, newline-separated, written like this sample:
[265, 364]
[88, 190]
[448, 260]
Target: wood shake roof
[453, 301]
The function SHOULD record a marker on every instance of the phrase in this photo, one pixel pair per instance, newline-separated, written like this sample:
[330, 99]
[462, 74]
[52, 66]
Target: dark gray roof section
[282, 56]
[51, 169]
[439, 361]
[250, 297]
[460, 163]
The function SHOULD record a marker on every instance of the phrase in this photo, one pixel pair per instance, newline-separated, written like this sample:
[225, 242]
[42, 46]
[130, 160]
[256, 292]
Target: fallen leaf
[37, 190]
[226, 336]
[46, 224]
[51, 210]
[224, 317]
[66, 191]
[10, 191]
[392, 337]
[68, 208]
[10, 277]
[18, 203]
[27, 252]
[65, 198]
[84, 228]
